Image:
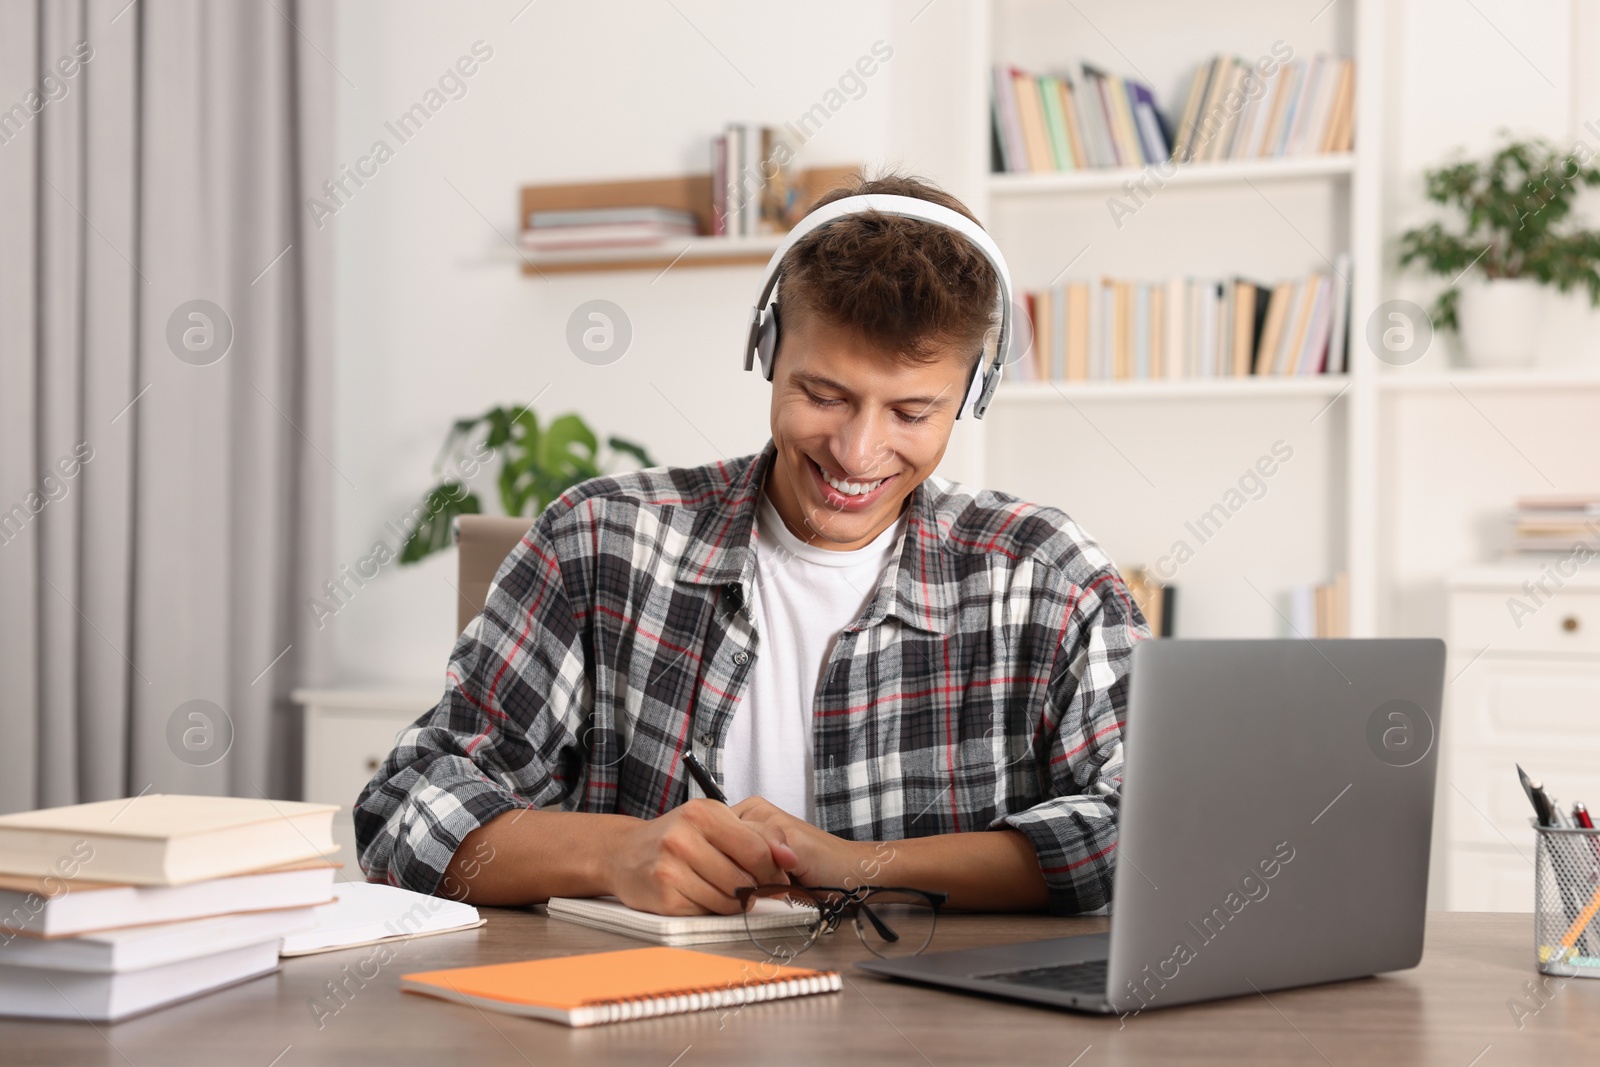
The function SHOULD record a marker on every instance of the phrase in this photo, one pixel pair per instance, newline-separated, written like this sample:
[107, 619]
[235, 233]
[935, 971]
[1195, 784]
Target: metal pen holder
[1566, 901]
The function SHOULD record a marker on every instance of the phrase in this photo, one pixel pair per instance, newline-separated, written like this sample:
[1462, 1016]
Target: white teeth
[851, 488]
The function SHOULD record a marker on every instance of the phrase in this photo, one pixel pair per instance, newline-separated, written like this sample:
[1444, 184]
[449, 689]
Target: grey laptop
[1277, 807]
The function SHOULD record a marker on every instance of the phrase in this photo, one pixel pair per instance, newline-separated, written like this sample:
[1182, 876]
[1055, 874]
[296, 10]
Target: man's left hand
[824, 859]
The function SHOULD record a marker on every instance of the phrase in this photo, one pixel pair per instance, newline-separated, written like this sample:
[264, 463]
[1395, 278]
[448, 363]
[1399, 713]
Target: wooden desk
[1448, 1011]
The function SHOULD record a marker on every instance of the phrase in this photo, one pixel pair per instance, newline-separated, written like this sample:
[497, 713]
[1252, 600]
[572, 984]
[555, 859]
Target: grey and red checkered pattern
[983, 688]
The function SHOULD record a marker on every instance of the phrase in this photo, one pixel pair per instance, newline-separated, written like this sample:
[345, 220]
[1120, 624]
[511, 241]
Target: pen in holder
[1566, 901]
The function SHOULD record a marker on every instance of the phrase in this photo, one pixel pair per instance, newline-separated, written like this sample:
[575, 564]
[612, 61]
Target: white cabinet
[1523, 686]
[348, 732]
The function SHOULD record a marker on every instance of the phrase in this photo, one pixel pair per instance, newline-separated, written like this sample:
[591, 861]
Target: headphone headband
[763, 321]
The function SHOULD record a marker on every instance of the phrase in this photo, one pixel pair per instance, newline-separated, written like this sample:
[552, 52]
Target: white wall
[435, 321]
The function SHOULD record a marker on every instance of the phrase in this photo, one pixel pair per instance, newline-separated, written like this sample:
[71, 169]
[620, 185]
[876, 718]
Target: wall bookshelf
[1150, 454]
[687, 192]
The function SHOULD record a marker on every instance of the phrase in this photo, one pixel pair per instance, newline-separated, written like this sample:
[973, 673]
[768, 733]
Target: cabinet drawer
[1523, 708]
[1488, 880]
[1567, 622]
[343, 752]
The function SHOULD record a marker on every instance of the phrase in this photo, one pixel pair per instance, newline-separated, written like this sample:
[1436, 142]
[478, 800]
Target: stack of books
[752, 188]
[118, 907]
[1306, 108]
[1320, 610]
[592, 229]
[1565, 523]
[1051, 123]
[1109, 329]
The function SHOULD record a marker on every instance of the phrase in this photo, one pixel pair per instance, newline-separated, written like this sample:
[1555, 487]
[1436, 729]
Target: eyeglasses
[784, 920]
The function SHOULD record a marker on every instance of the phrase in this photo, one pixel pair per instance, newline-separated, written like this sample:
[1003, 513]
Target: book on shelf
[602, 235]
[1567, 523]
[1548, 503]
[1049, 122]
[581, 229]
[1300, 108]
[1117, 329]
[565, 219]
[752, 187]
[1320, 610]
[1234, 110]
[747, 183]
[719, 186]
[1157, 601]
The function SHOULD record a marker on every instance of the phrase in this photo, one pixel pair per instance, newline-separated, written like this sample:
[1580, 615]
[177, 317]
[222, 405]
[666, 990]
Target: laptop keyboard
[1086, 977]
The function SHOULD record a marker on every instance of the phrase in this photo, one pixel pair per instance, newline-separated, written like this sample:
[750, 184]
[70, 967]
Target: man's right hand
[690, 860]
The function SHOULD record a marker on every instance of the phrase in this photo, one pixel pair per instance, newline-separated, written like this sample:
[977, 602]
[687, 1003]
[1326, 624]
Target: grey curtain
[165, 326]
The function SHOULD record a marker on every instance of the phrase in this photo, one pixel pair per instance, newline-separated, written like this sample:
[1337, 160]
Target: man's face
[856, 430]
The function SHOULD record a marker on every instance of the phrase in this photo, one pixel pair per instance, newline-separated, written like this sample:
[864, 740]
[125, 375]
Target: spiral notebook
[610, 987]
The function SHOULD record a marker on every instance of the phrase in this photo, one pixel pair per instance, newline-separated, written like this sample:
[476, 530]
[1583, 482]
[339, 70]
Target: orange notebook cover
[609, 987]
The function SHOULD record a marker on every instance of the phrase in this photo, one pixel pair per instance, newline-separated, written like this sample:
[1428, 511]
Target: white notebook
[141, 947]
[609, 913]
[365, 913]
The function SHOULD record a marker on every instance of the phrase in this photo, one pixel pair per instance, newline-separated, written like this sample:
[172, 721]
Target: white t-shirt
[804, 595]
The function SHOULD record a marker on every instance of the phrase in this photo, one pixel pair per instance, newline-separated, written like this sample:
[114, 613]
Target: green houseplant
[537, 464]
[1516, 234]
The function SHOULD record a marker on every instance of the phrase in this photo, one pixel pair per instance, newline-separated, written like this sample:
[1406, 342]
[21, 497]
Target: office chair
[484, 542]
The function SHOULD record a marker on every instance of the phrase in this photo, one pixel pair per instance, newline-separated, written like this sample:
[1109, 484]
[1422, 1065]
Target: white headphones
[763, 338]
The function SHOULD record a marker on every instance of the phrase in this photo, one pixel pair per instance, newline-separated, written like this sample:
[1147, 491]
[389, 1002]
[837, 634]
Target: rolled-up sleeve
[1074, 830]
[516, 696]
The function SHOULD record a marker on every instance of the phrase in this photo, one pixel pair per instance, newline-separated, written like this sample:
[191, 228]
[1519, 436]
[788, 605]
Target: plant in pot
[1518, 236]
[537, 464]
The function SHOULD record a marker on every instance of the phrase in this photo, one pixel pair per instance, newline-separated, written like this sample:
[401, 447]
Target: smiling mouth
[849, 487]
[848, 493]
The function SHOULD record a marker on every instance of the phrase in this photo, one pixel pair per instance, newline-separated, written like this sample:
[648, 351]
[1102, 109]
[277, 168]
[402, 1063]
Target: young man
[897, 680]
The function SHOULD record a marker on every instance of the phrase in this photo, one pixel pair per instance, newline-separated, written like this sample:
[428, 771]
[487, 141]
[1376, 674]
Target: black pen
[1542, 809]
[703, 778]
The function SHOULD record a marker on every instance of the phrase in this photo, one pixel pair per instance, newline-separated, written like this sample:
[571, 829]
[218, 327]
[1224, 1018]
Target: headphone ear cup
[767, 340]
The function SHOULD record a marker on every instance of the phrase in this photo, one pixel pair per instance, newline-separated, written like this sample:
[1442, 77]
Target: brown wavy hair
[902, 285]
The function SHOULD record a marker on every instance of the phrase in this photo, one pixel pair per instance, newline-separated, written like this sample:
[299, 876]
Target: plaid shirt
[983, 687]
